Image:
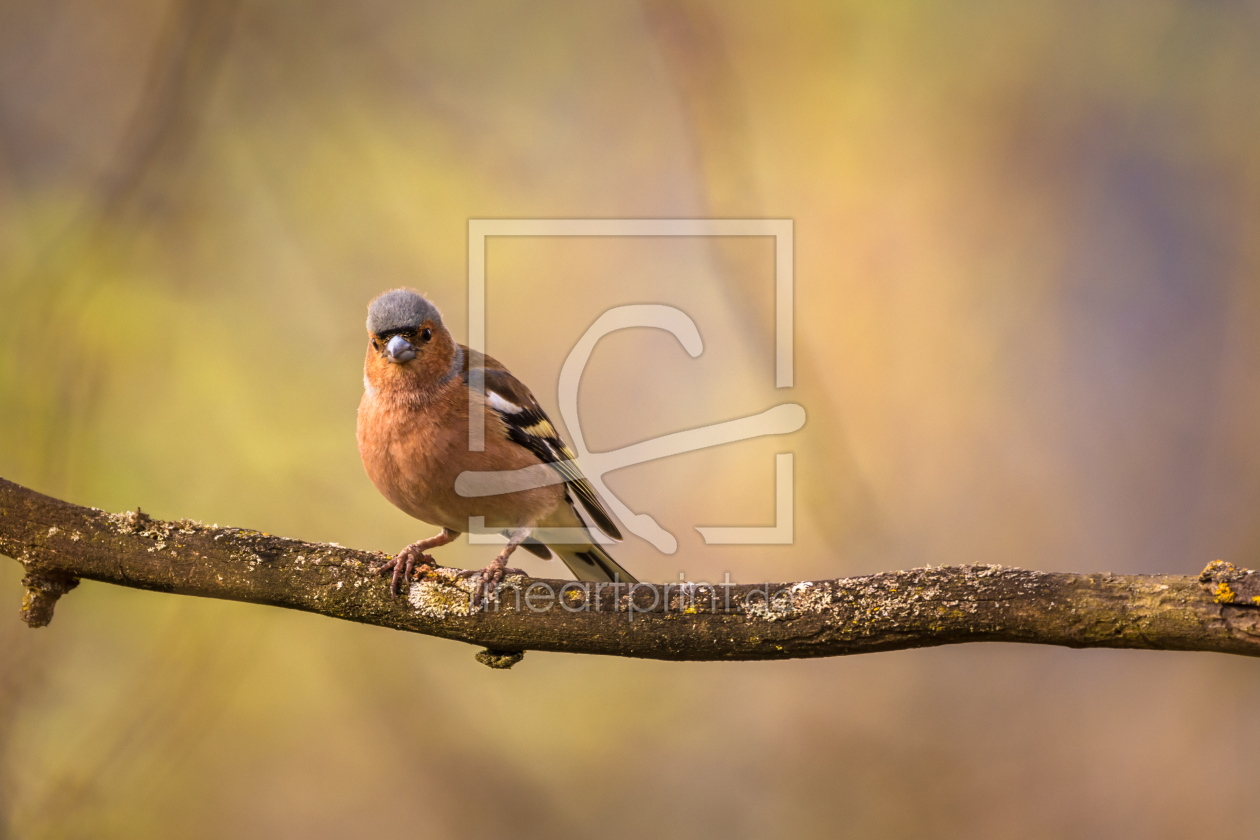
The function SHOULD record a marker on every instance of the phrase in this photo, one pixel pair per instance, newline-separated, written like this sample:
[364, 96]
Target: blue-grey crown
[400, 309]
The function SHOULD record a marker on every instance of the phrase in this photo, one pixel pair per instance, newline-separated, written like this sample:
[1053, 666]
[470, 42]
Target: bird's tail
[591, 562]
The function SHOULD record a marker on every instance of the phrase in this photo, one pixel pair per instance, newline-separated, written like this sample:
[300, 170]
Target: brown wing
[528, 426]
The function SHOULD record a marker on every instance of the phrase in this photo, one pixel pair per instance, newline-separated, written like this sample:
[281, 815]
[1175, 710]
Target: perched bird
[413, 439]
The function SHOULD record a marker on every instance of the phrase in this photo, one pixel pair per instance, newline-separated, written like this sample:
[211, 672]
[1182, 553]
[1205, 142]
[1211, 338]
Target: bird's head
[408, 346]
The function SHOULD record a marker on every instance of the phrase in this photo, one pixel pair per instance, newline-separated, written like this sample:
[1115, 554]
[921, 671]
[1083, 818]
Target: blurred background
[1028, 332]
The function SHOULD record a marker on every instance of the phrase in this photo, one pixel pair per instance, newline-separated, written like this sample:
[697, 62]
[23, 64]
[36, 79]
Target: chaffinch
[413, 439]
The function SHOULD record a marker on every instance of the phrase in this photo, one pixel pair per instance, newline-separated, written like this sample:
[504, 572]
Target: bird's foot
[486, 581]
[405, 565]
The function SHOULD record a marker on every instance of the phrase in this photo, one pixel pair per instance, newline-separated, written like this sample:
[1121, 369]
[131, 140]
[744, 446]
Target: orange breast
[414, 454]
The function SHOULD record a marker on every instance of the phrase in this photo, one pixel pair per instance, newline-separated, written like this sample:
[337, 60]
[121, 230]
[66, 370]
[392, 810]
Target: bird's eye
[426, 334]
[376, 346]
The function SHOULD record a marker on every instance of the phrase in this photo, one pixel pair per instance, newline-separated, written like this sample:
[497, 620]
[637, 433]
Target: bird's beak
[399, 350]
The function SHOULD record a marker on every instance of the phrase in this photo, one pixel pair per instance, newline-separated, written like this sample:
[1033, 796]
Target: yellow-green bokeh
[1027, 313]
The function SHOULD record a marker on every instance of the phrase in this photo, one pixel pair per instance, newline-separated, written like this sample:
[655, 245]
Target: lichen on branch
[59, 544]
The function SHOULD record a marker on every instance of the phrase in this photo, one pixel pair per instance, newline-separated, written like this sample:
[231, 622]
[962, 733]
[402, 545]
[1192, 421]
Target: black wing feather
[531, 428]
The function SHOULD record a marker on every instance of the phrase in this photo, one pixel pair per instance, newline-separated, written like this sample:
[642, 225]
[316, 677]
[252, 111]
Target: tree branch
[59, 543]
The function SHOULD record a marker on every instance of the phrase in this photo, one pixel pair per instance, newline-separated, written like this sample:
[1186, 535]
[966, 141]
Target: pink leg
[405, 563]
[488, 578]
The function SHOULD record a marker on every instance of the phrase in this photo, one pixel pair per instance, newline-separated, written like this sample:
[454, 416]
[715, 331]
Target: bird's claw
[405, 566]
[487, 580]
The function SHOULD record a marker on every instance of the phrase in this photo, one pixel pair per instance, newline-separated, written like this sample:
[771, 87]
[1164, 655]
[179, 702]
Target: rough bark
[59, 543]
